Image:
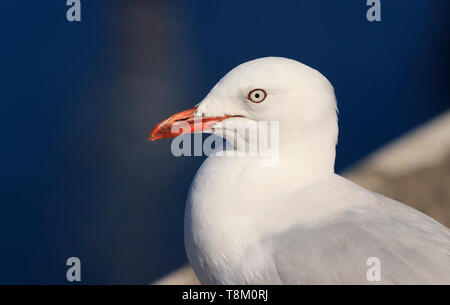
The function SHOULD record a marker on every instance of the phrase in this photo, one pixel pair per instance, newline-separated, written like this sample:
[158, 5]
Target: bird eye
[257, 95]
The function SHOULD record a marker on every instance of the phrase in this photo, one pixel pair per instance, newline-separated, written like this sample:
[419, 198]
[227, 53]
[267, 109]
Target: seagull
[297, 221]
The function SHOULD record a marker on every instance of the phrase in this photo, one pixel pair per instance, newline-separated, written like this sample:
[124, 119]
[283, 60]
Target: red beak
[181, 123]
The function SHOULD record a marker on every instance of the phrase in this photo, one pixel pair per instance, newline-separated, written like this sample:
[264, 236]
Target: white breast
[232, 206]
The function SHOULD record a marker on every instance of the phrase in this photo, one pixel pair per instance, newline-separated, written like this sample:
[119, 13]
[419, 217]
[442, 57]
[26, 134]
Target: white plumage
[297, 222]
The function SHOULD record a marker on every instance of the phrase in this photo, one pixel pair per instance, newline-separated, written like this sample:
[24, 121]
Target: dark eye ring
[257, 95]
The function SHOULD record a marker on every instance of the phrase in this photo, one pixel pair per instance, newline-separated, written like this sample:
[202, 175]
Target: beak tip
[163, 130]
[152, 137]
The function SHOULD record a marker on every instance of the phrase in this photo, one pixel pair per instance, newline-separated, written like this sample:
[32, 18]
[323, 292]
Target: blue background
[78, 177]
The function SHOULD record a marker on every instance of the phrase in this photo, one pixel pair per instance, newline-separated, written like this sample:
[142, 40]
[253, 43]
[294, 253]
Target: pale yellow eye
[257, 95]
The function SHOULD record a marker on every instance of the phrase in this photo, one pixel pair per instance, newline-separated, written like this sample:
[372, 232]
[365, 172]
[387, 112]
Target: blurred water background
[78, 177]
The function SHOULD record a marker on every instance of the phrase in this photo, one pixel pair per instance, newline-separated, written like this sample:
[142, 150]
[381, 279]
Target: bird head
[277, 89]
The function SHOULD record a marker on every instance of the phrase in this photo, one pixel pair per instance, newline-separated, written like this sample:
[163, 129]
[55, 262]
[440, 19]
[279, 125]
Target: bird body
[295, 222]
[300, 237]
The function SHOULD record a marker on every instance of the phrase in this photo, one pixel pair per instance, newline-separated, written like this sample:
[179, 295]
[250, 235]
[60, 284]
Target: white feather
[297, 222]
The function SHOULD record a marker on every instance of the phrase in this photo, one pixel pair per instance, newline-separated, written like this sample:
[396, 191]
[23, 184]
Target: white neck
[231, 196]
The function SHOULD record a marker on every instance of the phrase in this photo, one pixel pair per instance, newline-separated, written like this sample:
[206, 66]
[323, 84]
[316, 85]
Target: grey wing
[411, 248]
